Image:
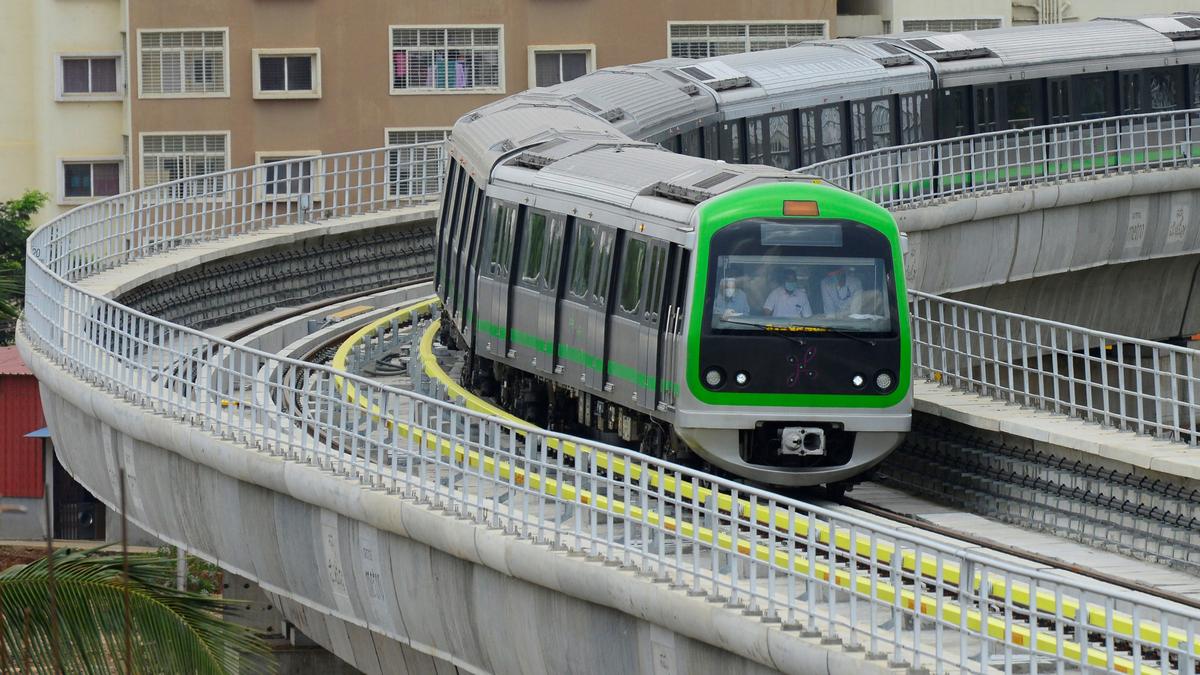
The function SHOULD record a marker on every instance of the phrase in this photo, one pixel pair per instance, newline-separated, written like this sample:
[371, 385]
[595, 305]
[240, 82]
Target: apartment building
[122, 94]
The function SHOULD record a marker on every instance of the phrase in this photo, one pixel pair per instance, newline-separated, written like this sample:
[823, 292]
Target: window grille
[707, 40]
[949, 25]
[183, 62]
[167, 158]
[446, 58]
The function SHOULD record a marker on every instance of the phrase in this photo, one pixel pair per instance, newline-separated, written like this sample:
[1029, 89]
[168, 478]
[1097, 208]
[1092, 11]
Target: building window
[554, 64]
[287, 73]
[183, 63]
[416, 171]
[286, 175]
[171, 157]
[89, 77]
[706, 40]
[447, 59]
[84, 180]
[950, 25]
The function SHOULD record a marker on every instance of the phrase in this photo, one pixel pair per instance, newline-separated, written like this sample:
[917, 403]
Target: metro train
[629, 255]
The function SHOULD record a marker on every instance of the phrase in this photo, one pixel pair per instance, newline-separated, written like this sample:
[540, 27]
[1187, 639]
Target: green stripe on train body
[766, 201]
[576, 355]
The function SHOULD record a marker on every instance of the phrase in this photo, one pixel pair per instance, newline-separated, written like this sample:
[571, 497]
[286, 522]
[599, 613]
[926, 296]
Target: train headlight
[741, 378]
[884, 380]
[714, 377]
[857, 381]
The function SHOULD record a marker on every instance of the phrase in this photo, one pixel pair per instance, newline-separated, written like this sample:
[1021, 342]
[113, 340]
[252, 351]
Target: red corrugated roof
[11, 363]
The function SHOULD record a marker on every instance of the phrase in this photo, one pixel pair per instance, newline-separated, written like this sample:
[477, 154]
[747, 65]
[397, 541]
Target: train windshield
[801, 277]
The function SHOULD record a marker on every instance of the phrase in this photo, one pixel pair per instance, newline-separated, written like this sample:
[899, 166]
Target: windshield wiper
[767, 328]
[789, 330]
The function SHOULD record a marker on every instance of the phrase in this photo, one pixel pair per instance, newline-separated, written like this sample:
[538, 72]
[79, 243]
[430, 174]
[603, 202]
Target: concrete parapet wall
[381, 580]
[1045, 230]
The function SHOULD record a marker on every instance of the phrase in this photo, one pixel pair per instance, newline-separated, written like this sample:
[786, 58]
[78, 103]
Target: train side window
[533, 242]
[731, 142]
[633, 266]
[654, 285]
[779, 141]
[809, 144]
[554, 251]
[1164, 88]
[581, 257]
[1131, 93]
[756, 141]
[604, 252]
[955, 109]
[1194, 86]
[500, 242]
[858, 126]
[881, 123]
[832, 144]
[1022, 103]
[871, 124]
[913, 116]
[1094, 96]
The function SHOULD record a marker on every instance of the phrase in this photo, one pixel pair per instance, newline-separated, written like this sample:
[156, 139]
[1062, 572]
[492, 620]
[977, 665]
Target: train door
[574, 320]
[954, 112]
[462, 217]
[649, 335]
[985, 108]
[445, 218]
[494, 281]
[671, 344]
[1058, 100]
[532, 308]
[470, 267]
[599, 303]
[626, 333]
[550, 293]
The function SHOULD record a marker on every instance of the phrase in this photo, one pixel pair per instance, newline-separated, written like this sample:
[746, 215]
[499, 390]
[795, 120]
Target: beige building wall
[37, 131]
[354, 38]
[17, 128]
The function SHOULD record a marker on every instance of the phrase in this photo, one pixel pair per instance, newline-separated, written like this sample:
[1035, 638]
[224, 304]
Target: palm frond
[172, 630]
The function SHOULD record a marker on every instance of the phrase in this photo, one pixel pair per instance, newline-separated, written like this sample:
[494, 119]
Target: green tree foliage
[14, 230]
[173, 631]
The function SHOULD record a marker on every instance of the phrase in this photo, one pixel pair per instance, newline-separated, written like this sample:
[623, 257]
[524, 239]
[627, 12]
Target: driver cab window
[789, 276]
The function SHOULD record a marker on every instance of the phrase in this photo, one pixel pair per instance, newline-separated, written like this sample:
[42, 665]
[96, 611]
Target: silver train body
[637, 150]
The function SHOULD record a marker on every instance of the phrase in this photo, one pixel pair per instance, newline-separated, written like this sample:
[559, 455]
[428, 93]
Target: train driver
[789, 299]
[731, 301]
[841, 293]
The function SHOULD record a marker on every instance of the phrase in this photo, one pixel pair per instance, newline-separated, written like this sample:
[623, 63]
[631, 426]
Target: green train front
[798, 355]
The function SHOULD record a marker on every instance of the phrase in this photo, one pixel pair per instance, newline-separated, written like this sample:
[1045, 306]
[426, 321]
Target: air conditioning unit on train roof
[948, 47]
[1178, 27]
[716, 75]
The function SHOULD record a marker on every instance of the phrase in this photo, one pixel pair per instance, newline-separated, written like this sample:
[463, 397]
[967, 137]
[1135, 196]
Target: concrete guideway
[103, 343]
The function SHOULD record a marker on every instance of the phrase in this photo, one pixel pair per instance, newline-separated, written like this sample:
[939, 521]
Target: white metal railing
[910, 175]
[1115, 381]
[836, 574]
[133, 225]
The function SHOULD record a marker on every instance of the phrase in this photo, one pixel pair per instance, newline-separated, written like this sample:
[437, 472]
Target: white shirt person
[788, 300]
[841, 294]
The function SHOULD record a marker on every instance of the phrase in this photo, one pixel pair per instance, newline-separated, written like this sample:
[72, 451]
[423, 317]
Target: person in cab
[789, 300]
